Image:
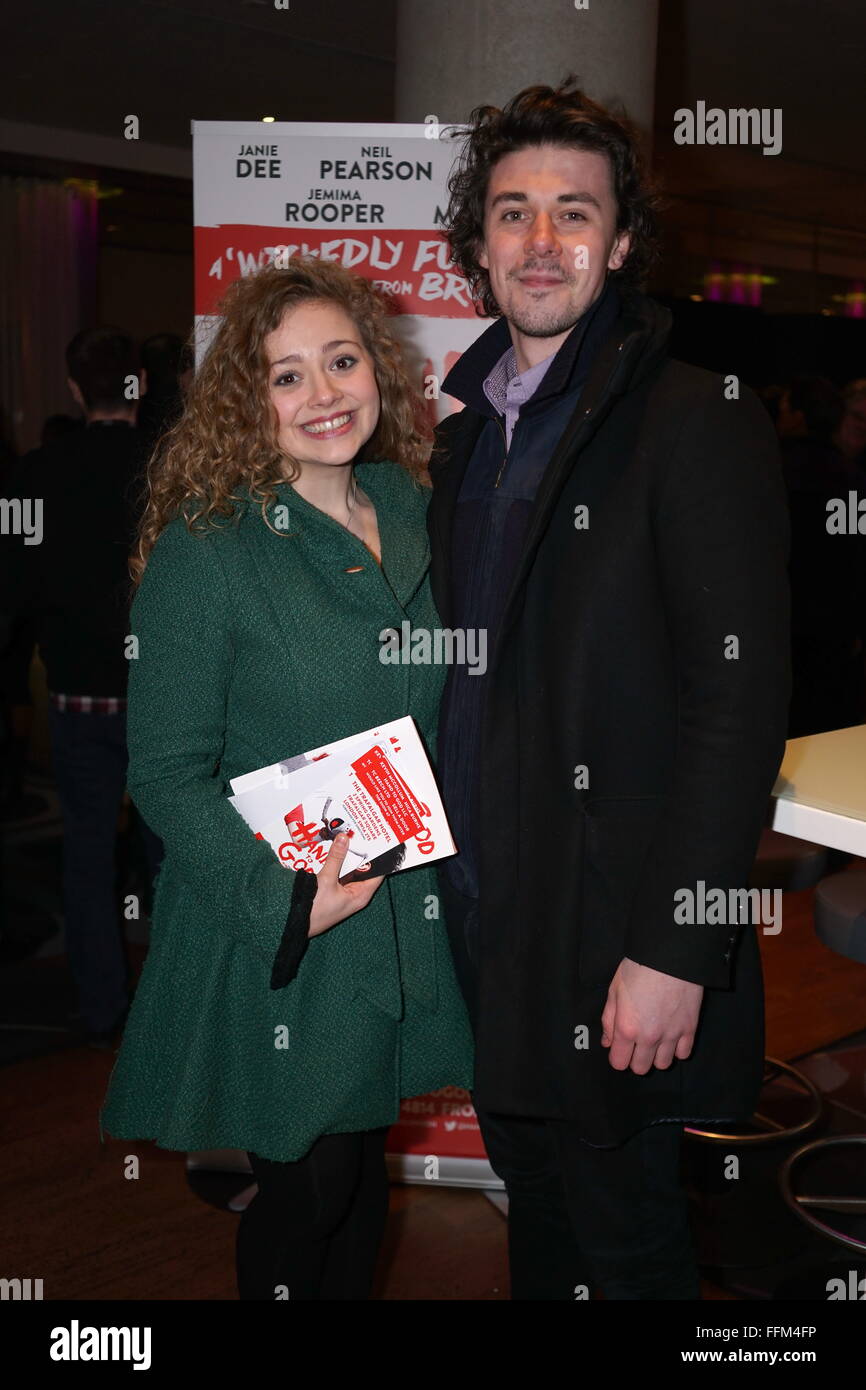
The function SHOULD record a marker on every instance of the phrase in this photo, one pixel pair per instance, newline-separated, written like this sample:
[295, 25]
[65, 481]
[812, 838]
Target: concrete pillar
[456, 54]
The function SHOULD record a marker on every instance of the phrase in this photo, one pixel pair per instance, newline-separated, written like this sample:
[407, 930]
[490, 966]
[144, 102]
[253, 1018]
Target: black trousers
[314, 1228]
[581, 1219]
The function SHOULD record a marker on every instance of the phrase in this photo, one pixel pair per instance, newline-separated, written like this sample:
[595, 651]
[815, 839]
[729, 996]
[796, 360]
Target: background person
[73, 590]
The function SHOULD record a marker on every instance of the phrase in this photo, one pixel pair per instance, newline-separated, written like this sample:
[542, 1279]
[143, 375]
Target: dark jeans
[314, 1229]
[581, 1219]
[89, 760]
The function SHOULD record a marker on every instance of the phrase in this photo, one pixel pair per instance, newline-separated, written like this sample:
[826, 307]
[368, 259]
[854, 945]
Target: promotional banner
[371, 197]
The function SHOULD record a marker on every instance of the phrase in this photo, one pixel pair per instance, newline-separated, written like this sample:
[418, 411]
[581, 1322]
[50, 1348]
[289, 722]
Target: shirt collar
[467, 377]
[506, 386]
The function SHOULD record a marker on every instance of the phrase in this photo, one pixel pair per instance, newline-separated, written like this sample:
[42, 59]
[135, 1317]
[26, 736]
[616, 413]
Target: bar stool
[792, 865]
[840, 921]
[840, 912]
[734, 1225]
[782, 861]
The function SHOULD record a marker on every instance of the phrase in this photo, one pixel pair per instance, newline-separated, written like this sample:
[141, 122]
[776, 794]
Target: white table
[820, 793]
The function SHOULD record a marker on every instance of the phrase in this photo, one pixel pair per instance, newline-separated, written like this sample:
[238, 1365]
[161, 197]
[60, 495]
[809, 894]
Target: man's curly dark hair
[549, 116]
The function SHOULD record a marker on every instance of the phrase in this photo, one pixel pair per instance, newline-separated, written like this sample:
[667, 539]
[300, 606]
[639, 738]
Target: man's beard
[538, 321]
[553, 327]
[545, 323]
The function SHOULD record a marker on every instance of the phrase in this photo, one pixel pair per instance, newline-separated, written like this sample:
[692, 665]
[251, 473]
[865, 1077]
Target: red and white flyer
[378, 784]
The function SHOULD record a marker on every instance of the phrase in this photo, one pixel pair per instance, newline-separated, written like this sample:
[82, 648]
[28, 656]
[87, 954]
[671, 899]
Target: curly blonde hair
[227, 436]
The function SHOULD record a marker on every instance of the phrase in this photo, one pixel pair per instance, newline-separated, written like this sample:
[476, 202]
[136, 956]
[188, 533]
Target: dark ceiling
[85, 67]
[89, 64]
[803, 57]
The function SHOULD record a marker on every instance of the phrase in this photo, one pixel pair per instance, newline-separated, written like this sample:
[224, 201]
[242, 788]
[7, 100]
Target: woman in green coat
[284, 1014]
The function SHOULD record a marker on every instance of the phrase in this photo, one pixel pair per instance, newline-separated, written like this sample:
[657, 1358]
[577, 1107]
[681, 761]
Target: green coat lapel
[400, 511]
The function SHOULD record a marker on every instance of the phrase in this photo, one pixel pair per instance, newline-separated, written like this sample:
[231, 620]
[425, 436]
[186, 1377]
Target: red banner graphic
[441, 1123]
[412, 267]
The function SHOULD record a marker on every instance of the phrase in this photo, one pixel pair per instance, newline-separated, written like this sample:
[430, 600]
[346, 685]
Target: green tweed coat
[252, 647]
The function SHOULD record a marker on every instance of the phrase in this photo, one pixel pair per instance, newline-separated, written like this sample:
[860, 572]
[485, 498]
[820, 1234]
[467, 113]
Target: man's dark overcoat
[645, 640]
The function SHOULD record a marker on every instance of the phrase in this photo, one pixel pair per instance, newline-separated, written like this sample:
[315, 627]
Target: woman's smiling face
[322, 384]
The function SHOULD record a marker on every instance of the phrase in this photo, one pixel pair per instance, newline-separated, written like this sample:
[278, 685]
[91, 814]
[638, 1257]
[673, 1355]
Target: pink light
[714, 283]
[737, 286]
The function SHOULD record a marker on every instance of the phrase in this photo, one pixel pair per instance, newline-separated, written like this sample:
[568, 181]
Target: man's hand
[649, 1018]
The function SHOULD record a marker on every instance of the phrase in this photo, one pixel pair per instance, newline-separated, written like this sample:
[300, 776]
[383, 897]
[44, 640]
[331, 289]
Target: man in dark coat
[616, 521]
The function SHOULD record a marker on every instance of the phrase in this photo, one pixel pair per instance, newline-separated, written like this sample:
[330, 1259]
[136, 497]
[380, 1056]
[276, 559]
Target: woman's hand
[335, 901]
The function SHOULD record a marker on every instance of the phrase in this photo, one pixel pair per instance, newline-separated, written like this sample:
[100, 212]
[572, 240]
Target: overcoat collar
[465, 381]
[634, 347]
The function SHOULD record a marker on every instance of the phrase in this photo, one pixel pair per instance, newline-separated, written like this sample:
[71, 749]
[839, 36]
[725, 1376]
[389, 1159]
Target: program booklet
[379, 784]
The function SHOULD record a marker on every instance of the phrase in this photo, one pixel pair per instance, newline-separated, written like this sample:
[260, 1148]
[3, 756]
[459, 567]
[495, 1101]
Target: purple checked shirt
[508, 390]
